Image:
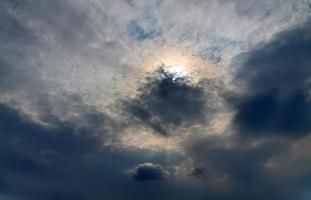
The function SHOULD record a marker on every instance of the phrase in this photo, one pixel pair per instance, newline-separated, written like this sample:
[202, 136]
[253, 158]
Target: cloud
[256, 9]
[16, 38]
[61, 161]
[65, 19]
[28, 28]
[165, 102]
[277, 78]
[64, 157]
[266, 114]
[237, 167]
[148, 171]
[76, 46]
[198, 172]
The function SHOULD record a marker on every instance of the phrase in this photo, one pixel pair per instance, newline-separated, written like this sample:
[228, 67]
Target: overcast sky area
[159, 99]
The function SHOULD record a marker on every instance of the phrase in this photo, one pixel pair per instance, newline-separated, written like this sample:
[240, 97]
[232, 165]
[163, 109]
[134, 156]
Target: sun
[176, 71]
[174, 62]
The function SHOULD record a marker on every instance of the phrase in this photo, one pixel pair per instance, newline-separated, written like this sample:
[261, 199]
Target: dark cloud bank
[39, 162]
[67, 161]
[275, 111]
[277, 76]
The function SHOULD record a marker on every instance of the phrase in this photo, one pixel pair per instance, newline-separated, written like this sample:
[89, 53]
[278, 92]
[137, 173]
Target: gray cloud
[65, 160]
[241, 165]
[277, 77]
[16, 42]
[165, 102]
[257, 9]
[63, 153]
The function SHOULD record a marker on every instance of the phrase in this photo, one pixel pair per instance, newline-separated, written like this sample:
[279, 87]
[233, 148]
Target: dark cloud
[148, 171]
[237, 169]
[281, 64]
[63, 160]
[43, 154]
[198, 172]
[268, 114]
[276, 103]
[166, 102]
[277, 78]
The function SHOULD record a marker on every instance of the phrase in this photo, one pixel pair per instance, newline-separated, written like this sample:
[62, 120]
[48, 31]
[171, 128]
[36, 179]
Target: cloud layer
[88, 109]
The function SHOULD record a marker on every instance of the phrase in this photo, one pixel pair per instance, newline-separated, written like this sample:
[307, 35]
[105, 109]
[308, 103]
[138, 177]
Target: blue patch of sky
[131, 3]
[145, 27]
[214, 51]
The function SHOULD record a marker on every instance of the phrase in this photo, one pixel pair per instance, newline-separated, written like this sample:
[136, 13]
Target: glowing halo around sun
[177, 62]
[181, 63]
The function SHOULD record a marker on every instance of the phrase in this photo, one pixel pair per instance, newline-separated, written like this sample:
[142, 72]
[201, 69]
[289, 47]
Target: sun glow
[176, 71]
[181, 63]
[173, 61]
[177, 62]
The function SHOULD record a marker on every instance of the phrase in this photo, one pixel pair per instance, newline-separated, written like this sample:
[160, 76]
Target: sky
[159, 99]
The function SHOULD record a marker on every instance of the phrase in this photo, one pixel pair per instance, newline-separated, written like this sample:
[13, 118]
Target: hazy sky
[159, 99]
